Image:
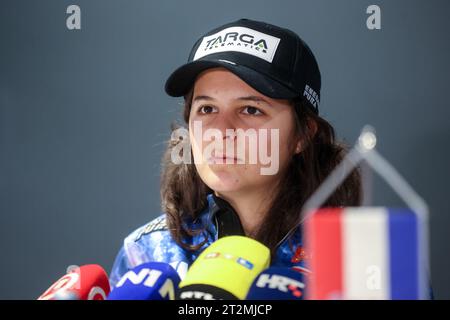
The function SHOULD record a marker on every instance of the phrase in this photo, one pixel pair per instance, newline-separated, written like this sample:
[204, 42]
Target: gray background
[84, 117]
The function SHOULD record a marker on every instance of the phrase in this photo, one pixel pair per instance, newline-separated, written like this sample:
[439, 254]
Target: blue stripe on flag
[403, 254]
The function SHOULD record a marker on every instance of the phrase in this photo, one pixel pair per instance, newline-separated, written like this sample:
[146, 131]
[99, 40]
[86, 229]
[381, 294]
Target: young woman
[245, 76]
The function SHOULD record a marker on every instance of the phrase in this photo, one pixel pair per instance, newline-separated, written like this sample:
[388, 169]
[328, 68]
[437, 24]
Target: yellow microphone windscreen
[231, 264]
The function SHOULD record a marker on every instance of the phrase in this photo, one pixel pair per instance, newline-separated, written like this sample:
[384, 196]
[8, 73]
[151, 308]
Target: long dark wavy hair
[183, 193]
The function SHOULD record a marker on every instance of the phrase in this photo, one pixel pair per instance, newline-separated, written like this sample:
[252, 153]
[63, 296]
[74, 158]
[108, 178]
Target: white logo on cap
[239, 39]
[311, 96]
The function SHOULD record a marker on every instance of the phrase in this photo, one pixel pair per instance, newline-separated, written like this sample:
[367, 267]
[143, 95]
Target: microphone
[148, 281]
[89, 282]
[277, 283]
[225, 269]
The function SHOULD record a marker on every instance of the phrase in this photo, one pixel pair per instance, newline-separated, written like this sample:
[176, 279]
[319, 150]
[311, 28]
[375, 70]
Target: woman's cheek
[197, 151]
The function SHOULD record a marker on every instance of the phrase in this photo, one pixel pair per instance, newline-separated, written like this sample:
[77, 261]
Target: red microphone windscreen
[89, 282]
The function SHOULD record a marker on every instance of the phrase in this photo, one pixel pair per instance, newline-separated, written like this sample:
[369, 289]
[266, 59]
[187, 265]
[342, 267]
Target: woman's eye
[252, 111]
[206, 109]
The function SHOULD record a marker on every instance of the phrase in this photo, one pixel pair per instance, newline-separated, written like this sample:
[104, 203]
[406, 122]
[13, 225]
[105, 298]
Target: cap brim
[181, 80]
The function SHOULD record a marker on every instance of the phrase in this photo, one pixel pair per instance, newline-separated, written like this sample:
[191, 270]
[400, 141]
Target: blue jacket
[153, 242]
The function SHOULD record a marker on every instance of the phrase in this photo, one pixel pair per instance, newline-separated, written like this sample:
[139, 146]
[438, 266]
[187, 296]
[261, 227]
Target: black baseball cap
[273, 60]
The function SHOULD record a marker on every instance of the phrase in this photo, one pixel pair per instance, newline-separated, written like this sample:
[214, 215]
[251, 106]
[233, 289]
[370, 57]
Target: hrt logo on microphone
[281, 283]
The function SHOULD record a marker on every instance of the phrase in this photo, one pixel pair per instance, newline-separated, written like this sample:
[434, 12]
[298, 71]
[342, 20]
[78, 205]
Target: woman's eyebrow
[254, 99]
[246, 98]
[203, 97]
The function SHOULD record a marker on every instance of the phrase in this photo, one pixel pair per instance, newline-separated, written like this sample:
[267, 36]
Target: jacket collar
[220, 219]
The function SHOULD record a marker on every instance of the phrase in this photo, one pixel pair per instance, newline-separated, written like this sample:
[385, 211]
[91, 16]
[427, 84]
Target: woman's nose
[227, 126]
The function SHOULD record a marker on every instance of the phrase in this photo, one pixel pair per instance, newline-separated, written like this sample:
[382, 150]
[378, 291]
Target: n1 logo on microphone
[149, 277]
[145, 276]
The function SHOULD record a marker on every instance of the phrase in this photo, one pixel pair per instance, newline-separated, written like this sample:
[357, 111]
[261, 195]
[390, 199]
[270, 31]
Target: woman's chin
[222, 180]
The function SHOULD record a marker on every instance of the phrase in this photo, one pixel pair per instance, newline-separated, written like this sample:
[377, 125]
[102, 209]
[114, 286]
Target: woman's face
[226, 158]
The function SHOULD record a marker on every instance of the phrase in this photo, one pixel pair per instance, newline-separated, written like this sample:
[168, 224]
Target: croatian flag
[365, 253]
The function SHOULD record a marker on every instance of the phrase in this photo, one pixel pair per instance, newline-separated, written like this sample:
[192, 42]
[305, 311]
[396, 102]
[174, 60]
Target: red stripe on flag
[323, 240]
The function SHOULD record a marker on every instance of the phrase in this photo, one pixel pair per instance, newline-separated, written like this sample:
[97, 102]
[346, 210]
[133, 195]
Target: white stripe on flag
[365, 253]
